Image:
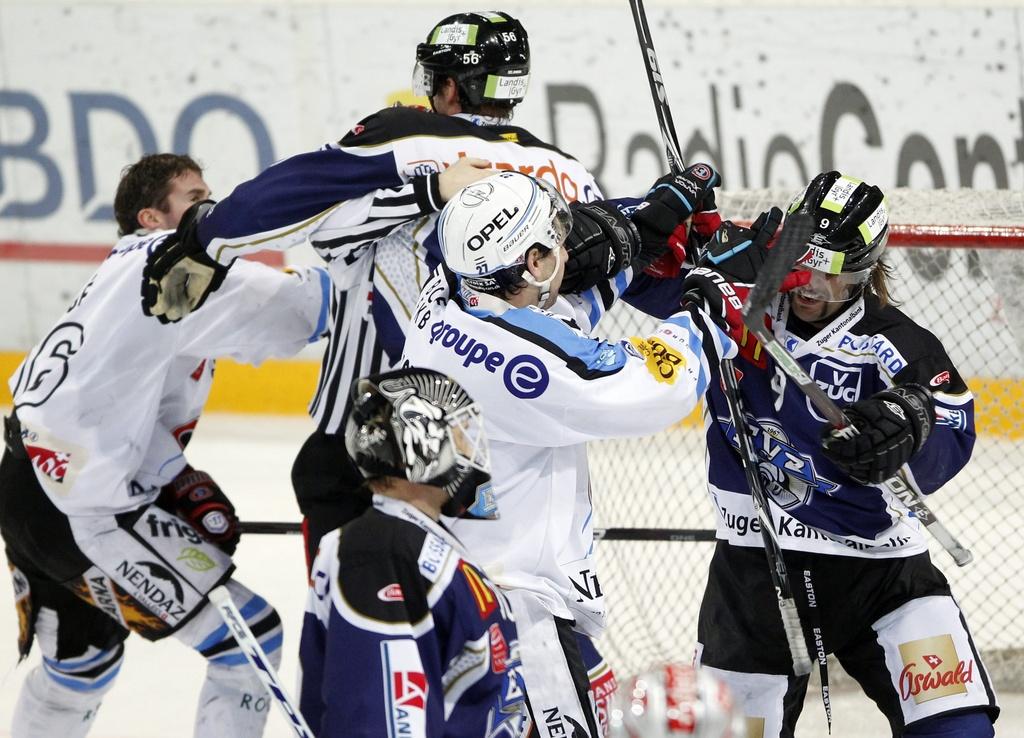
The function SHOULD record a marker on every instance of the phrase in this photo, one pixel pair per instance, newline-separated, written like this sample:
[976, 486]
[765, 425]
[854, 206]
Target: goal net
[959, 271]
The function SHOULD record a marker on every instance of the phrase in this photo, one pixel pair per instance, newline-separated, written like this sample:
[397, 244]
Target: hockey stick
[779, 263]
[600, 534]
[748, 457]
[221, 599]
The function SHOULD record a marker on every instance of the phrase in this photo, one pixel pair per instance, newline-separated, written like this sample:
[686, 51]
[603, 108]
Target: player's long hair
[879, 284]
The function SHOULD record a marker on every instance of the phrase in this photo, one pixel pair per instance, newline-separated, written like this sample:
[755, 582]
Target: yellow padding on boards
[285, 387]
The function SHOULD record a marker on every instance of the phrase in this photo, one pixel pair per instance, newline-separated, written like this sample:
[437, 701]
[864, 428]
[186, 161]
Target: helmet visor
[422, 80]
[833, 287]
[559, 215]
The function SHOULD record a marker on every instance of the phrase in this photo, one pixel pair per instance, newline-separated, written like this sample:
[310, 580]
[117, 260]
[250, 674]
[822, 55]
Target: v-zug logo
[839, 381]
[524, 376]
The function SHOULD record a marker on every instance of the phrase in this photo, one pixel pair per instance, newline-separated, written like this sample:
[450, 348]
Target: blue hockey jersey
[862, 350]
[403, 636]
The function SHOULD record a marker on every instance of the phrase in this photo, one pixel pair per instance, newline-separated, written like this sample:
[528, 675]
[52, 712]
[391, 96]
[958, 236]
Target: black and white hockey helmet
[421, 425]
[486, 53]
[851, 222]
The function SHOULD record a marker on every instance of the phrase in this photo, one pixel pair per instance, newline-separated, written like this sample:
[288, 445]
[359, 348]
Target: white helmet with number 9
[672, 701]
[487, 228]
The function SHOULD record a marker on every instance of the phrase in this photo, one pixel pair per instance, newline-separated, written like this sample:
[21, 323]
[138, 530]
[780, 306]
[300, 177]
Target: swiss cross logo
[410, 689]
[932, 660]
[51, 464]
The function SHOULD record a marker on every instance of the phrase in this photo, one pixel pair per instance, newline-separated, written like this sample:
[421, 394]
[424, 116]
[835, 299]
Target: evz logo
[839, 381]
[787, 474]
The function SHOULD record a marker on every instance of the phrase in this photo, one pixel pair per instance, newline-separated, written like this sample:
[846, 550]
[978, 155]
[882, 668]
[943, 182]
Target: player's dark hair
[510, 280]
[146, 184]
[491, 108]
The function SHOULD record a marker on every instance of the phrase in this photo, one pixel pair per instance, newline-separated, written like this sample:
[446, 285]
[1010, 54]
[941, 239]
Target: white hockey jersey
[546, 388]
[108, 398]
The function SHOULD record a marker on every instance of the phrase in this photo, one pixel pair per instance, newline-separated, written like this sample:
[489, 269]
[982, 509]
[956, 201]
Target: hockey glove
[179, 275]
[195, 497]
[885, 431]
[729, 267]
[661, 218]
[601, 244]
[739, 252]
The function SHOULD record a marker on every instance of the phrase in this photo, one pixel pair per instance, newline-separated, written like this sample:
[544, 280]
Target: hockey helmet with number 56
[486, 53]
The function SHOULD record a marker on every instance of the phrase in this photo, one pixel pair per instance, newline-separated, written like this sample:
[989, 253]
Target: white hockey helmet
[487, 228]
[674, 700]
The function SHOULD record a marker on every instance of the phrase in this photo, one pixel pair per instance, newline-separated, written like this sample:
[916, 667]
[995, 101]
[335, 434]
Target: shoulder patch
[433, 556]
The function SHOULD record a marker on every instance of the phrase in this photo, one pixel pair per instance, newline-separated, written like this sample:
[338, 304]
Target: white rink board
[251, 457]
[771, 96]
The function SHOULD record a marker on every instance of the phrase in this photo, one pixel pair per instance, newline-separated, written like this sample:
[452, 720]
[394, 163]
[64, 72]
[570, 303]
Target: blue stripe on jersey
[693, 343]
[325, 305]
[621, 283]
[390, 332]
[433, 246]
[598, 357]
[314, 182]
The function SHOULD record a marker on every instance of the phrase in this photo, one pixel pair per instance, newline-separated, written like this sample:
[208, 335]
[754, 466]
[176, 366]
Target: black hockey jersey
[404, 637]
[863, 350]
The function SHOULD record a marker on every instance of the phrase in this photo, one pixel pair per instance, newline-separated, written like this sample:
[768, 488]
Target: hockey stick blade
[600, 534]
[783, 256]
[220, 599]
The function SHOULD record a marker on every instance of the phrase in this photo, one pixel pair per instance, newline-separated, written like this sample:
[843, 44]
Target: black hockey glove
[728, 268]
[739, 252]
[891, 426]
[601, 244]
[179, 275]
[196, 498]
[668, 205]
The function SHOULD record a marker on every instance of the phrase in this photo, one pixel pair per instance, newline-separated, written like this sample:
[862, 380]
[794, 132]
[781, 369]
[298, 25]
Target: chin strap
[545, 286]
